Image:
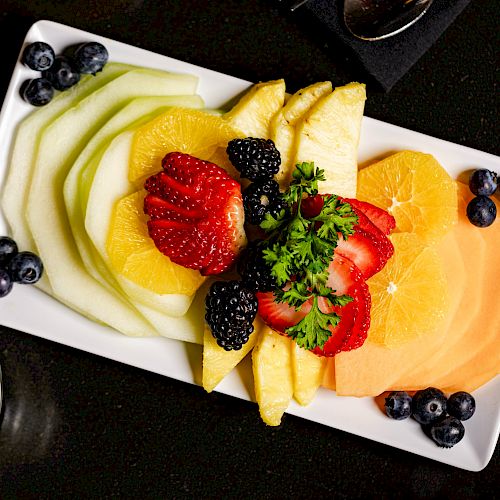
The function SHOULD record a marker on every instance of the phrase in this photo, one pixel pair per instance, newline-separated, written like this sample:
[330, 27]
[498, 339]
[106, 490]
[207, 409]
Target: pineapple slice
[272, 373]
[308, 370]
[217, 362]
[329, 136]
[253, 113]
[284, 122]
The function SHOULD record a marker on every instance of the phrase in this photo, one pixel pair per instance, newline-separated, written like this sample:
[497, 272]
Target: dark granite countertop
[80, 425]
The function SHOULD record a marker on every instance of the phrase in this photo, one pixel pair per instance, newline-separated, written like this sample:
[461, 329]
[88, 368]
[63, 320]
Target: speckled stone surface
[83, 426]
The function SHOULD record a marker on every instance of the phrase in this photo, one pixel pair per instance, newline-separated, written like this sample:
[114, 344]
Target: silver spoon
[378, 19]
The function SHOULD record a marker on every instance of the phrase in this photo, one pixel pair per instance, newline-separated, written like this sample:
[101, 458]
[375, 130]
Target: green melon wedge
[25, 149]
[60, 144]
[80, 179]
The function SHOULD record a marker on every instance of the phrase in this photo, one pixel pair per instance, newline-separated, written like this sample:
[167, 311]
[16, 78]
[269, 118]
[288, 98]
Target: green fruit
[60, 144]
[25, 148]
[80, 179]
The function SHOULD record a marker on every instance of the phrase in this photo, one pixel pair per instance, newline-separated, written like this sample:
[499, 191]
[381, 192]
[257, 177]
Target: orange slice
[197, 133]
[409, 295]
[133, 254]
[415, 189]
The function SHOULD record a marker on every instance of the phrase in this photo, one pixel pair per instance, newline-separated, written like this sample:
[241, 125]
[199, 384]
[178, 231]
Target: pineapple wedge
[272, 373]
[284, 122]
[329, 136]
[254, 111]
[308, 370]
[217, 362]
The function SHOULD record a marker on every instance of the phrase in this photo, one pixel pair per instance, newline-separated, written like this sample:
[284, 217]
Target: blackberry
[254, 271]
[230, 311]
[255, 159]
[260, 198]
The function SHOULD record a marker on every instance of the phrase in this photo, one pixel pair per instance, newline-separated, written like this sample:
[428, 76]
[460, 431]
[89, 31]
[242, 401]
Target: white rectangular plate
[29, 310]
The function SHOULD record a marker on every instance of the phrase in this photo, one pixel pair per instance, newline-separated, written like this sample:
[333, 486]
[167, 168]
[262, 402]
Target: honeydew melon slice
[60, 144]
[25, 149]
[80, 178]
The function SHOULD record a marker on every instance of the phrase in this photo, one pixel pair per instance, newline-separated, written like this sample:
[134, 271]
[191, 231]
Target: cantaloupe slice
[18, 182]
[59, 146]
[472, 247]
[476, 356]
[372, 369]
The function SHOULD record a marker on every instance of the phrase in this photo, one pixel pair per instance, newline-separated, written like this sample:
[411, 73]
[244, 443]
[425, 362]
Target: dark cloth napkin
[387, 60]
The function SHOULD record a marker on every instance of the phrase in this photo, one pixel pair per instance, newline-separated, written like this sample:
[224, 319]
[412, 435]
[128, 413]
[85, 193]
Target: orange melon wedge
[372, 369]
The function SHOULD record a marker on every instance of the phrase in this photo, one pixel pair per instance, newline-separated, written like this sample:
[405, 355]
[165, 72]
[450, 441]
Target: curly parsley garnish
[299, 251]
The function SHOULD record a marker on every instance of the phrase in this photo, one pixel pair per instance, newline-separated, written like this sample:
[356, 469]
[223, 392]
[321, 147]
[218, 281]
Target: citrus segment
[254, 111]
[415, 189]
[189, 131]
[409, 295]
[133, 253]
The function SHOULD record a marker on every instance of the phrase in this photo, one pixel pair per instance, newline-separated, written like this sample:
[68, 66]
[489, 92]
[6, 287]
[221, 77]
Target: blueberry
[461, 405]
[483, 182]
[37, 92]
[5, 283]
[39, 56]
[447, 432]
[398, 405]
[63, 73]
[481, 211]
[8, 248]
[428, 405]
[25, 268]
[90, 57]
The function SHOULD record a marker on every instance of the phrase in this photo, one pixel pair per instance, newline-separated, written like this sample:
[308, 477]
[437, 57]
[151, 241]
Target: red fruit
[364, 250]
[351, 331]
[378, 216]
[196, 214]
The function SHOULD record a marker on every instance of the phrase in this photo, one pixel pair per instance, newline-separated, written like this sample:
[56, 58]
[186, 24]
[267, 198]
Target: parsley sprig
[299, 251]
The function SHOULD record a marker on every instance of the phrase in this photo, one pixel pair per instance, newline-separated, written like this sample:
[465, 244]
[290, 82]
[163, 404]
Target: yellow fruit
[133, 254]
[415, 189]
[217, 362]
[329, 135]
[272, 373]
[308, 370]
[409, 295]
[197, 133]
[284, 122]
[254, 111]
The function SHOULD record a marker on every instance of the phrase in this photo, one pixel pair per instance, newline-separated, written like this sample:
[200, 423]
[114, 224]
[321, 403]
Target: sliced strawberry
[364, 250]
[378, 216]
[196, 214]
[345, 278]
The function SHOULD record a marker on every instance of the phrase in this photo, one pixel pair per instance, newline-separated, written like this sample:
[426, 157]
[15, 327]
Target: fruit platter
[273, 246]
